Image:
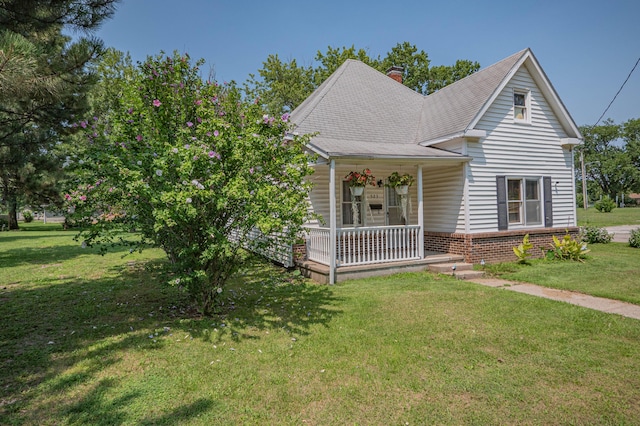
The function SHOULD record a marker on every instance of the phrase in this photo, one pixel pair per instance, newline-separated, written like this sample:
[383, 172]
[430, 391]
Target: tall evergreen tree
[44, 80]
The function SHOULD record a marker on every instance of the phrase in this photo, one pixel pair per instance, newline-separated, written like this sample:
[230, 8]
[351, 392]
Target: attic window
[521, 111]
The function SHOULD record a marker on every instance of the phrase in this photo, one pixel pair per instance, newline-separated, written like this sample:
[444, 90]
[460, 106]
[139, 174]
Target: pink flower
[83, 124]
[189, 124]
[285, 117]
[198, 102]
[216, 133]
[139, 138]
[67, 197]
[83, 197]
[156, 103]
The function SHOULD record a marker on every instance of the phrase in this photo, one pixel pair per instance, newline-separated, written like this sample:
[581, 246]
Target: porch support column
[332, 222]
[420, 215]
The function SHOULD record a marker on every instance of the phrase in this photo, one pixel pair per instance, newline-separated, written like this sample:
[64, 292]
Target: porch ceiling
[338, 148]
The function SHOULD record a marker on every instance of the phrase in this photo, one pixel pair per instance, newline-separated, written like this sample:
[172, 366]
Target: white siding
[443, 198]
[522, 150]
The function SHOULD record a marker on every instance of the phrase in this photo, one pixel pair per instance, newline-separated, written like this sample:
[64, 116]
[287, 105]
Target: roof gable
[359, 106]
[454, 108]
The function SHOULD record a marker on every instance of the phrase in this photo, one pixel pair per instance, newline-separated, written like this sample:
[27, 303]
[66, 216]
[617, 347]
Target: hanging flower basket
[396, 180]
[356, 191]
[402, 189]
[360, 179]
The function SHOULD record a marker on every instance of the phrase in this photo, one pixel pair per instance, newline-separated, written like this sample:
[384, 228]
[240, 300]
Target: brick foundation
[299, 253]
[493, 246]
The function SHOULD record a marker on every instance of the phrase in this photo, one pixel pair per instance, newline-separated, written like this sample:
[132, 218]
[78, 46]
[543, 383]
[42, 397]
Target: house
[491, 157]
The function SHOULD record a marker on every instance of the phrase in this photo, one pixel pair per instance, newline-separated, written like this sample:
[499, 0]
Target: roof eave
[470, 134]
[427, 158]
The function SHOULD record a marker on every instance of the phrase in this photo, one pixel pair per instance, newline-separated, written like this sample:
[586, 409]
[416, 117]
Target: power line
[619, 90]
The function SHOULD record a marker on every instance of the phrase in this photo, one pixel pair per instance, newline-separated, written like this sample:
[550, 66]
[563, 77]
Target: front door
[392, 201]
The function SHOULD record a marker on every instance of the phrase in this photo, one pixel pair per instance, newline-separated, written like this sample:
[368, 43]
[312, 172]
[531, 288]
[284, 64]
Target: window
[521, 106]
[523, 201]
[348, 208]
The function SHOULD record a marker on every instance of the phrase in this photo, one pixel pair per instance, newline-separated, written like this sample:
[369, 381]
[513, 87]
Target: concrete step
[462, 271]
[449, 268]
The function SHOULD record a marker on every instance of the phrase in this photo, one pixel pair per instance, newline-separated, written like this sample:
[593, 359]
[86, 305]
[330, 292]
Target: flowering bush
[595, 235]
[360, 179]
[192, 168]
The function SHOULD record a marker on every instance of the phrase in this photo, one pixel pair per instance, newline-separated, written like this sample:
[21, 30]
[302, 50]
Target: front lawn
[618, 216]
[87, 339]
[612, 271]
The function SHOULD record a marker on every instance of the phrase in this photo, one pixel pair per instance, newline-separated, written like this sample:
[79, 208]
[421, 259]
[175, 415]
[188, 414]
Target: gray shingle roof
[359, 111]
[328, 148]
[453, 108]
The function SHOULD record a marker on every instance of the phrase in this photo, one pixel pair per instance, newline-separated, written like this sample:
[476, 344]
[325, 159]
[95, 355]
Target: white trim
[523, 200]
[332, 222]
[466, 196]
[569, 143]
[420, 214]
[527, 105]
[472, 134]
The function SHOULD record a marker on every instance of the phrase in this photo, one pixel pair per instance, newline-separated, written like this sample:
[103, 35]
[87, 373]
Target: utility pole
[584, 180]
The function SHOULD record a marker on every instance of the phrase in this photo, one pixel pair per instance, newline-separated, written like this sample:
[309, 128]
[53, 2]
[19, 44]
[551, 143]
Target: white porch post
[420, 215]
[332, 222]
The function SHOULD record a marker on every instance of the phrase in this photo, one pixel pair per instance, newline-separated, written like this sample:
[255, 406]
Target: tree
[44, 80]
[192, 168]
[284, 85]
[608, 163]
[631, 137]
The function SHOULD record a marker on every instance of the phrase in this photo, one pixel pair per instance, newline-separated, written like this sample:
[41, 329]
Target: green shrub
[27, 215]
[595, 235]
[4, 224]
[634, 238]
[605, 205]
[567, 249]
[522, 251]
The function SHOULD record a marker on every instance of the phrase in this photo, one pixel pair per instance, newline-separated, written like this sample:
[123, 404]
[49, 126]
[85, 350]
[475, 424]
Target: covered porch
[383, 232]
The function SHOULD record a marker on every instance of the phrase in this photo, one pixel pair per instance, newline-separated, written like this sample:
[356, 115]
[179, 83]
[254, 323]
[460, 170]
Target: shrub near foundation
[567, 248]
[595, 235]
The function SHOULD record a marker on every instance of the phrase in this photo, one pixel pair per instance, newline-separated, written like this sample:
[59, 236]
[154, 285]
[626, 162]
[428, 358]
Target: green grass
[612, 270]
[98, 340]
[624, 216]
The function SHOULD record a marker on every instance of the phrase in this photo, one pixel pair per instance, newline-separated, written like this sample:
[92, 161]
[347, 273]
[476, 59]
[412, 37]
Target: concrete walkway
[598, 303]
[621, 233]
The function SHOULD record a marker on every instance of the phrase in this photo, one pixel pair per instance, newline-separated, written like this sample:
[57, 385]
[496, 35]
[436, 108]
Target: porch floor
[320, 273]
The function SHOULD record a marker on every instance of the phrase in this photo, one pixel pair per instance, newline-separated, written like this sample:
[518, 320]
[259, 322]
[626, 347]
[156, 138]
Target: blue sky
[587, 48]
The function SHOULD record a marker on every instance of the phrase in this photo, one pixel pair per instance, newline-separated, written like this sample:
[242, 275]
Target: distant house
[491, 156]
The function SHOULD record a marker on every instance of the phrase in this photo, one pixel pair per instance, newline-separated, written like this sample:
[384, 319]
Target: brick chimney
[395, 73]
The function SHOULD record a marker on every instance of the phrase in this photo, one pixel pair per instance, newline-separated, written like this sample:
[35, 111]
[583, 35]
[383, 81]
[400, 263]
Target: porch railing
[361, 246]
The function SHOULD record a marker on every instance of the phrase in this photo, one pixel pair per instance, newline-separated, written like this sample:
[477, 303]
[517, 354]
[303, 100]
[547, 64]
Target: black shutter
[503, 217]
[548, 204]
